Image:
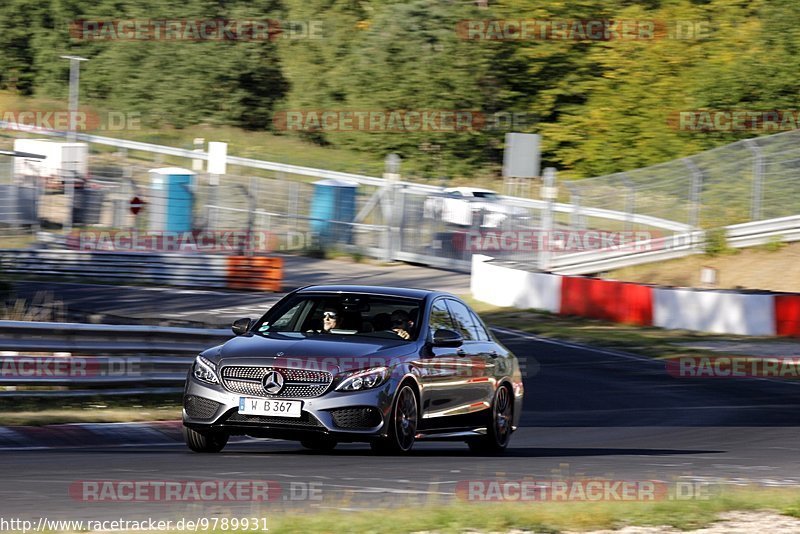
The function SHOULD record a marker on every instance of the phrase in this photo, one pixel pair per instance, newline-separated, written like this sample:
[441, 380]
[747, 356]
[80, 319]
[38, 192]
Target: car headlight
[364, 379]
[205, 370]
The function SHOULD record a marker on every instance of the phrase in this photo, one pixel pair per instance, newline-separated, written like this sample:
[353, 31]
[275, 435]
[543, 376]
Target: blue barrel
[333, 206]
[171, 202]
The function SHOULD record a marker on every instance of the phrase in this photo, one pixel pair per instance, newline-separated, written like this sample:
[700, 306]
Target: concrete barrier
[714, 311]
[718, 312]
[610, 300]
[503, 286]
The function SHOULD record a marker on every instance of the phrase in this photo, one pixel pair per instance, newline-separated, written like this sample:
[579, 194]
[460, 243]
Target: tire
[498, 428]
[403, 424]
[204, 441]
[319, 444]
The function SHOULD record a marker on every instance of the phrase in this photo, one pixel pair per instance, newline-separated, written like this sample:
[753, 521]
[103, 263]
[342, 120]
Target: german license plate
[271, 407]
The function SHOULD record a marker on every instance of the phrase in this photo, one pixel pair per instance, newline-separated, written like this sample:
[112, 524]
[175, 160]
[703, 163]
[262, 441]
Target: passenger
[402, 325]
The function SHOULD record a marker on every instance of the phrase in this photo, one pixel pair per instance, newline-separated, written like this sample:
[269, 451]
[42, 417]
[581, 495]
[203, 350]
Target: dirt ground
[730, 523]
[754, 268]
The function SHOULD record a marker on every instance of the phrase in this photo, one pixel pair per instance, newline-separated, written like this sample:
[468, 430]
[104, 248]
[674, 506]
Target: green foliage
[169, 82]
[775, 244]
[316, 251]
[716, 242]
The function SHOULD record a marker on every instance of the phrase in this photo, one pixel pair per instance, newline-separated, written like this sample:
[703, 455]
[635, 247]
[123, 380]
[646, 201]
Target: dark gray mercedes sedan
[331, 364]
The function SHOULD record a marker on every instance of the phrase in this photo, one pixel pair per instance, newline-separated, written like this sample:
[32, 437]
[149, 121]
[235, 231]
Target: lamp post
[74, 79]
[390, 211]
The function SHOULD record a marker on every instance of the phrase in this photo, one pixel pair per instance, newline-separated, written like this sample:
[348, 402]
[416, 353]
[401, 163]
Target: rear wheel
[204, 441]
[402, 424]
[319, 444]
[498, 429]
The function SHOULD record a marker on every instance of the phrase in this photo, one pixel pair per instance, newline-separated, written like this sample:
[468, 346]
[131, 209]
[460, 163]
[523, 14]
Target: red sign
[136, 205]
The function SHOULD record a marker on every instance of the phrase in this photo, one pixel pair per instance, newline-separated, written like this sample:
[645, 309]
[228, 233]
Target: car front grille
[298, 383]
[356, 417]
[199, 407]
[307, 420]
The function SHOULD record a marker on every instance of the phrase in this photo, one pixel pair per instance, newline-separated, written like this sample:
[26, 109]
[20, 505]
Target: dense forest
[601, 105]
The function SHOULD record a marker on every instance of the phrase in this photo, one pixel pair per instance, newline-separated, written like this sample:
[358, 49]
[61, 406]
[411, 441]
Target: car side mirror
[241, 326]
[444, 337]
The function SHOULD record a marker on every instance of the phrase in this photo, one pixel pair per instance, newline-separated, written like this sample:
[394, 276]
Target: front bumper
[343, 416]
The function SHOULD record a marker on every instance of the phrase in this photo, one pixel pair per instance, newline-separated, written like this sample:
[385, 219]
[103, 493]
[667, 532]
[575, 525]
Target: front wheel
[204, 441]
[402, 424]
[498, 431]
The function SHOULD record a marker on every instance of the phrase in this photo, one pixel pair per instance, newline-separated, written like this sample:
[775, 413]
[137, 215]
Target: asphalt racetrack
[588, 413]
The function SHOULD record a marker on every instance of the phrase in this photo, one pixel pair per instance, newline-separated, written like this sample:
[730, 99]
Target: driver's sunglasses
[329, 315]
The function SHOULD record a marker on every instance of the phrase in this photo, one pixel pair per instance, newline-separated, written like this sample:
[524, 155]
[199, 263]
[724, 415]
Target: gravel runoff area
[748, 348]
[729, 523]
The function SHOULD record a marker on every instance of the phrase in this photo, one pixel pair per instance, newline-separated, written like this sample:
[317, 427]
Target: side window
[463, 320]
[440, 317]
[285, 320]
[483, 335]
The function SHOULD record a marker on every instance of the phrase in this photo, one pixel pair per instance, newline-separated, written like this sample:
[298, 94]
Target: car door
[476, 364]
[439, 372]
[454, 378]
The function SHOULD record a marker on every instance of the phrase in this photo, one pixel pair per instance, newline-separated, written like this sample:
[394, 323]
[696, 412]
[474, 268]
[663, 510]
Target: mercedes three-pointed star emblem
[273, 382]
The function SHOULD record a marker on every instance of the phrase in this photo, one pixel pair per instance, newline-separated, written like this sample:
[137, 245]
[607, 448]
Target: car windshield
[345, 314]
[486, 194]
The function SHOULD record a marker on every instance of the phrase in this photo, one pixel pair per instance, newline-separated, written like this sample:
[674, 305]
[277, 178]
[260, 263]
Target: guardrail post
[758, 180]
[213, 199]
[576, 217]
[548, 187]
[69, 193]
[251, 213]
[392, 176]
[630, 202]
[694, 192]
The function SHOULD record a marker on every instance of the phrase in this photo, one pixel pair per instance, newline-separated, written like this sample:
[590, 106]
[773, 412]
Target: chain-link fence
[391, 220]
[749, 180]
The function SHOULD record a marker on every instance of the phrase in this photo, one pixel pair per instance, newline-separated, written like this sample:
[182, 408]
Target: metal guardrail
[784, 229]
[181, 270]
[587, 211]
[89, 359]
[186, 270]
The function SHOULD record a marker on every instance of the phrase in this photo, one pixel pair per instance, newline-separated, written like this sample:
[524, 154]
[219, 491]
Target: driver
[402, 324]
[331, 318]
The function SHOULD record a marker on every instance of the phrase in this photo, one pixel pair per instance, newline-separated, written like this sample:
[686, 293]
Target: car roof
[373, 290]
[469, 190]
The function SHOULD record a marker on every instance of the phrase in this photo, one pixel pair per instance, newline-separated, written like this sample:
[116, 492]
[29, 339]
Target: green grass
[263, 145]
[540, 516]
[646, 341]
